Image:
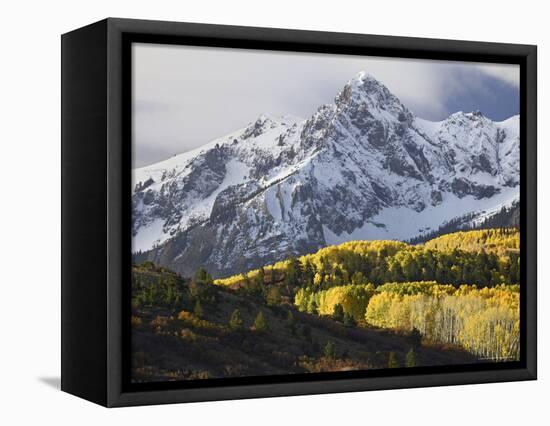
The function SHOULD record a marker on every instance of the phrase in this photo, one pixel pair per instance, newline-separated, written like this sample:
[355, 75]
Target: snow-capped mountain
[363, 167]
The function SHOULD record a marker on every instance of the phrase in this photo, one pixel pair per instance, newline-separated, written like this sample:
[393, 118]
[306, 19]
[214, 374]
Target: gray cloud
[185, 96]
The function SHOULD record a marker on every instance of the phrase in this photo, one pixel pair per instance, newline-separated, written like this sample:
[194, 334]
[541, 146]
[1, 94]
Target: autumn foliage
[358, 305]
[484, 321]
[458, 289]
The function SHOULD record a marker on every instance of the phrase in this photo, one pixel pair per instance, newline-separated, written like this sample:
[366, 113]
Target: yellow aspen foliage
[484, 321]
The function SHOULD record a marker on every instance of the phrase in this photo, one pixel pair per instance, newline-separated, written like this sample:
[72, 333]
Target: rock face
[363, 167]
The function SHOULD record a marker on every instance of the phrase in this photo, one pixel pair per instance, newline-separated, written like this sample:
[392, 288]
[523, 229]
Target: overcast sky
[184, 96]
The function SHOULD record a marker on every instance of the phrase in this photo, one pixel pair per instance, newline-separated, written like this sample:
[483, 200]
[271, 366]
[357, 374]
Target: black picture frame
[96, 120]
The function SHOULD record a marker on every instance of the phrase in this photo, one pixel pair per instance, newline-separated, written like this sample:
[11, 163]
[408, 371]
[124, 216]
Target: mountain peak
[469, 118]
[361, 167]
[362, 76]
[365, 83]
[364, 88]
[274, 120]
[365, 98]
[264, 118]
[262, 124]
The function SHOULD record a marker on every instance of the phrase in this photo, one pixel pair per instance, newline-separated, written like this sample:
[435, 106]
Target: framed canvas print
[252, 212]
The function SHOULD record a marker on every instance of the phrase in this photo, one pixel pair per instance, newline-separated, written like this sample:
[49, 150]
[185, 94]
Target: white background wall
[30, 211]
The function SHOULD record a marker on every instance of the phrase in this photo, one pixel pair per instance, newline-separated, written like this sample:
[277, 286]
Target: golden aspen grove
[460, 288]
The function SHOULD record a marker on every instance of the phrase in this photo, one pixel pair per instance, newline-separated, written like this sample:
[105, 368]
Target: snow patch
[273, 205]
[402, 223]
[148, 236]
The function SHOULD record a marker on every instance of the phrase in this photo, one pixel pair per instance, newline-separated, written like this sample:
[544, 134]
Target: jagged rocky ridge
[363, 167]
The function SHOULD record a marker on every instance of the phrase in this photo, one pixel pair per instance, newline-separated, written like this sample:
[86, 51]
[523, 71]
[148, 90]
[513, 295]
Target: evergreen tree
[415, 337]
[236, 322]
[271, 275]
[293, 272]
[411, 358]
[338, 313]
[349, 321]
[303, 299]
[358, 278]
[203, 277]
[392, 360]
[198, 309]
[312, 307]
[308, 273]
[329, 350]
[201, 286]
[260, 324]
[256, 286]
[261, 276]
[337, 276]
[273, 296]
[170, 295]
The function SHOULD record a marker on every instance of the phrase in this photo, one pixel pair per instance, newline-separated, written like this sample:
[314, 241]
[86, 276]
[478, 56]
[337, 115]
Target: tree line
[488, 257]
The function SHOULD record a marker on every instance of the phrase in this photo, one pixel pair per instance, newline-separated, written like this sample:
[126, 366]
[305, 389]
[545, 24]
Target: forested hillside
[358, 305]
[483, 321]
[485, 257]
[189, 329]
[502, 241]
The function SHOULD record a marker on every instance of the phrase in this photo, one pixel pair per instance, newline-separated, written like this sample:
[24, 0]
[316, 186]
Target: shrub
[135, 321]
[160, 321]
[411, 358]
[235, 321]
[192, 319]
[148, 265]
[198, 309]
[188, 334]
[329, 350]
[392, 360]
[260, 323]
